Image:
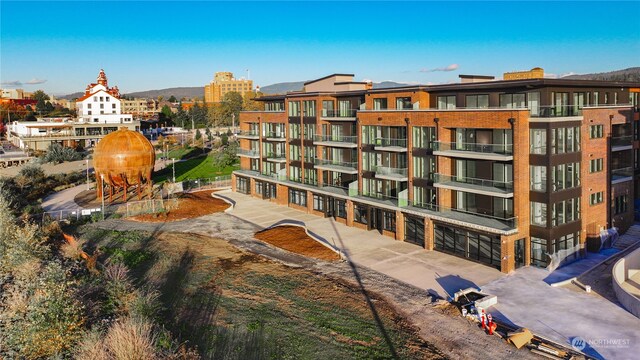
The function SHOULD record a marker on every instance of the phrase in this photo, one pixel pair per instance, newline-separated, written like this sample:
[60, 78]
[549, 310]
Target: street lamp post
[173, 169]
[102, 193]
[87, 160]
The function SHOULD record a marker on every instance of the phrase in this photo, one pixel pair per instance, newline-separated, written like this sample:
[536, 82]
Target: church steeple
[102, 78]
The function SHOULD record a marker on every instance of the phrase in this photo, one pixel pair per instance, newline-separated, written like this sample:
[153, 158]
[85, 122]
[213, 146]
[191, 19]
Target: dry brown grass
[190, 205]
[127, 339]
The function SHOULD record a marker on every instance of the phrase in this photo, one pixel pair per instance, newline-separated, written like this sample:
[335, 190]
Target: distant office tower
[224, 82]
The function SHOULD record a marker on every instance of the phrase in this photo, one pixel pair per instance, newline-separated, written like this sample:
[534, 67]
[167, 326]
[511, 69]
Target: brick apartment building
[507, 173]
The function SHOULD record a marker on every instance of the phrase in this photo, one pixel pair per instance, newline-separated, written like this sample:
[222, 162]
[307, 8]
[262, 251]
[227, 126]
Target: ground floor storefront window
[471, 245]
[414, 230]
[539, 255]
[242, 185]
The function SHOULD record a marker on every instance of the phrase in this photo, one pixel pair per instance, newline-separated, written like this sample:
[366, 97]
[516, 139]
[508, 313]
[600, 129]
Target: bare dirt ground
[446, 332]
[190, 205]
[295, 239]
[227, 301]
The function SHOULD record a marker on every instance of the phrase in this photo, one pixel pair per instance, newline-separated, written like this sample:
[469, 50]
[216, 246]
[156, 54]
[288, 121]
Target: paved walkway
[63, 200]
[524, 298]
[428, 270]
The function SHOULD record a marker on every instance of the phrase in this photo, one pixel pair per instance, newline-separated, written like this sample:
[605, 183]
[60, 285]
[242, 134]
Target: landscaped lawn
[180, 152]
[198, 168]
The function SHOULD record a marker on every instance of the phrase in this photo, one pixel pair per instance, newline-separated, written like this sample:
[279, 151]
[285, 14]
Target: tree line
[202, 115]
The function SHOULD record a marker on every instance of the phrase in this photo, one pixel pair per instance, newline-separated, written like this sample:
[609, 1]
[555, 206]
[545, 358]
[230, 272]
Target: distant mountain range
[630, 75]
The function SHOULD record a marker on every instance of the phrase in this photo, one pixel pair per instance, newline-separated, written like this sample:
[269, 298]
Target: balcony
[275, 136]
[254, 154]
[473, 185]
[248, 134]
[338, 166]
[619, 143]
[390, 144]
[621, 175]
[506, 225]
[390, 173]
[278, 157]
[498, 152]
[555, 111]
[338, 115]
[336, 141]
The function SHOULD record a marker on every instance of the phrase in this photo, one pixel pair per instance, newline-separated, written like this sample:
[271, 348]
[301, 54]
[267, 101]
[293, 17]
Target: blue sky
[152, 45]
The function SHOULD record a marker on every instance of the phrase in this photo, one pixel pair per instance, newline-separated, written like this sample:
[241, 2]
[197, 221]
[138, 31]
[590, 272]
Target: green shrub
[58, 154]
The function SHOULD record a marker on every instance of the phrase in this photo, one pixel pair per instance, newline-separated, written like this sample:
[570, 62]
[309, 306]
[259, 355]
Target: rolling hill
[626, 75]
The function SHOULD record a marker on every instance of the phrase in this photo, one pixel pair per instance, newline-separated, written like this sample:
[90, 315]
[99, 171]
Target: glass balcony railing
[345, 164]
[248, 152]
[441, 178]
[275, 134]
[249, 133]
[276, 155]
[343, 113]
[391, 171]
[384, 142]
[336, 138]
[471, 216]
[624, 140]
[473, 147]
[555, 111]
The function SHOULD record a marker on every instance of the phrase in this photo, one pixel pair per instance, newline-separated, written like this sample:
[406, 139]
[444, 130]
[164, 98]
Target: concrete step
[629, 238]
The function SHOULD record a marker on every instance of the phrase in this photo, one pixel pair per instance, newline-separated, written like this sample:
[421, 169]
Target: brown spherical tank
[122, 159]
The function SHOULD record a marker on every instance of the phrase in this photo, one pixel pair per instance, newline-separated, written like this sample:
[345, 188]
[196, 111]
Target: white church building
[101, 104]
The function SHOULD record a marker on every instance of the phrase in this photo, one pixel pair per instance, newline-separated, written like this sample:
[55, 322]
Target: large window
[295, 173]
[512, 100]
[403, 103]
[380, 104]
[568, 245]
[327, 108]
[565, 176]
[294, 152]
[298, 197]
[318, 202]
[595, 165]
[360, 213]
[539, 255]
[309, 108]
[538, 178]
[274, 106]
[424, 197]
[538, 141]
[565, 140]
[309, 131]
[389, 220]
[309, 153]
[620, 204]
[242, 185]
[423, 137]
[294, 108]
[424, 166]
[596, 198]
[566, 211]
[477, 101]
[414, 230]
[340, 208]
[538, 213]
[446, 102]
[596, 131]
[294, 131]
[471, 245]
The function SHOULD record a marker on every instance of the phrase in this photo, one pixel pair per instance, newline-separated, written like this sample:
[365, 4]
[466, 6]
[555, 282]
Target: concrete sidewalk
[428, 270]
[64, 200]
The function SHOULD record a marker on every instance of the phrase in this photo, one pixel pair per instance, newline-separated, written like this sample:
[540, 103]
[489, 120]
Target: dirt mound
[295, 239]
[190, 205]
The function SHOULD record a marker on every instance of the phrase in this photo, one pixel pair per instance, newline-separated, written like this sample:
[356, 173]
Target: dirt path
[454, 336]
